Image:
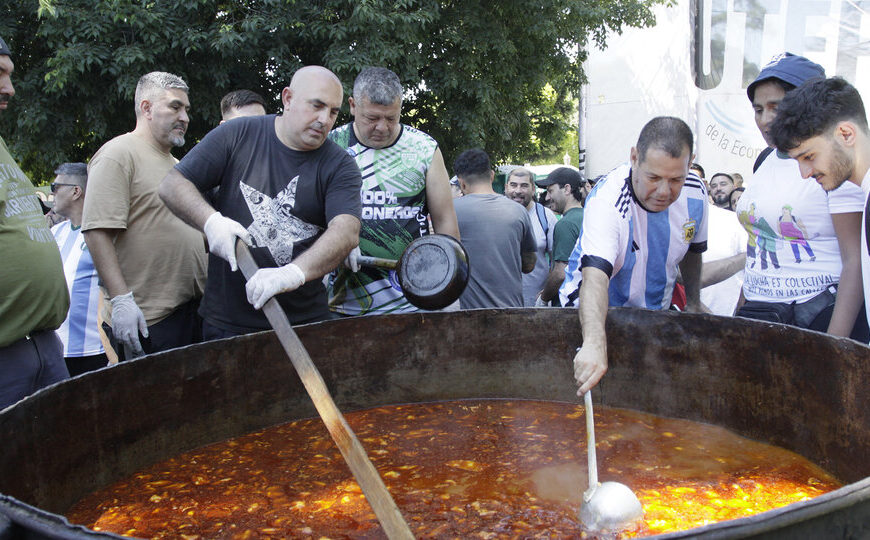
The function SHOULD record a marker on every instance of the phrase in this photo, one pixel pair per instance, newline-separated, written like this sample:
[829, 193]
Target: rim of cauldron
[842, 499]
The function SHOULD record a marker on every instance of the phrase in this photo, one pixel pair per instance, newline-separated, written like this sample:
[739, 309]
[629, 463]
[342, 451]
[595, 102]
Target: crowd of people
[144, 258]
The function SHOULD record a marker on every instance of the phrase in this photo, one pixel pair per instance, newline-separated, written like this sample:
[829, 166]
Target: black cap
[4, 48]
[787, 67]
[562, 176]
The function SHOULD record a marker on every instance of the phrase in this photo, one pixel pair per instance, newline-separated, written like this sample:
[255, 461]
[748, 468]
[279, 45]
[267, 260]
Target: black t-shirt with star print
[285, 198]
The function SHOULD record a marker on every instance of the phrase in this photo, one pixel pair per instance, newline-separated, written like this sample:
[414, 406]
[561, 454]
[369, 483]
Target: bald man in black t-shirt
[289, 193]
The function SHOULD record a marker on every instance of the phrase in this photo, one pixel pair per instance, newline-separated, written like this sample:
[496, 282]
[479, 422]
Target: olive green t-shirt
[163, 260]
[33, 292]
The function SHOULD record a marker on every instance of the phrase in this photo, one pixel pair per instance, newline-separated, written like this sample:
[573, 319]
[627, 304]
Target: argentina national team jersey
[79, 331]
[639, 251]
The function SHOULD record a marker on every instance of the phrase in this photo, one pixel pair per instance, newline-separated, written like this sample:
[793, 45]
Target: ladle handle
[354, 454]
[378, 262]
[590, 444]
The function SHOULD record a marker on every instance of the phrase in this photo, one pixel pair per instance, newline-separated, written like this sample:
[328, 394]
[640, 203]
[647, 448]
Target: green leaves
[46, 8]
[497, 74]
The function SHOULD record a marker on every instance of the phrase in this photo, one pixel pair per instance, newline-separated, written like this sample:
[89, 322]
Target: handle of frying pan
[377, 261]
[372, 485]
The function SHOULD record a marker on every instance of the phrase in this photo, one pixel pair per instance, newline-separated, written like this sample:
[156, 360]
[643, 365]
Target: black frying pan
[432, 271]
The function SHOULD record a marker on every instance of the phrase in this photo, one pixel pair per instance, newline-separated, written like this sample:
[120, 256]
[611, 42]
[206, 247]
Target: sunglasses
[56, 185]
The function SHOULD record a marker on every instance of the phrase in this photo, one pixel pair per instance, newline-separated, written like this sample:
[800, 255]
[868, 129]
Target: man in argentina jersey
[640, 224]
[404, 181]
[82, 349]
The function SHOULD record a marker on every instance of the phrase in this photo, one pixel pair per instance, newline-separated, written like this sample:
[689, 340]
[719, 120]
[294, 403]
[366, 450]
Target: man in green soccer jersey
[405, 182]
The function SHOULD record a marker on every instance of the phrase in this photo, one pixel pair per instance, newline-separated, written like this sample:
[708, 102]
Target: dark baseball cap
[562, 176]
[787, 67]
[4, 48]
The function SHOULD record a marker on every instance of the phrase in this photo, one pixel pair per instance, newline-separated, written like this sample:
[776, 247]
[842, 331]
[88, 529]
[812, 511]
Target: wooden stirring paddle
[372, 485]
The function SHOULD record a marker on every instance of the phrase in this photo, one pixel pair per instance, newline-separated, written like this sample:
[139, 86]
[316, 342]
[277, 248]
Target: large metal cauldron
[801, 390]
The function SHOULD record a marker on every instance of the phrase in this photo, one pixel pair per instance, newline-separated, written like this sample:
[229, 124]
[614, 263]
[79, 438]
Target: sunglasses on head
[56, 185]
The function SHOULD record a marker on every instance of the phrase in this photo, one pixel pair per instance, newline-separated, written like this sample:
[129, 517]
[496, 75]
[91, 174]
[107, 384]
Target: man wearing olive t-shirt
[33, 294]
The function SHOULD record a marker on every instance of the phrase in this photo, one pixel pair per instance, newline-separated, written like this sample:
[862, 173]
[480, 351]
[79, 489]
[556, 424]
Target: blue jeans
[29, 364]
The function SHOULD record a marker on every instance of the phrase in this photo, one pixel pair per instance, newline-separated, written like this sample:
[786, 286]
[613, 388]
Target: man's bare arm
[101, 244]
[529, 258]
[719, 270]
[590, 362]
[690, 270]
[850, 292]
[184, 199]
[554, 281]
[439, 199]
[341, 236]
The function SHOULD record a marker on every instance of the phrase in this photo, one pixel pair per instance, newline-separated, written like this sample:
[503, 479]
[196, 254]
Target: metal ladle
[610, 506]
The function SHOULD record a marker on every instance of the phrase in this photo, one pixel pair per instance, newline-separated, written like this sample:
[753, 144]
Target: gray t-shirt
[495, 231]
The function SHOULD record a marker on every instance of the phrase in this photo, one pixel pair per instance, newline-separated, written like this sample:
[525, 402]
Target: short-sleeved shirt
[78, 333]
[792, 250]
[284, 197]
[162, 258]
[394, 213]
[33, 293]
[566, 233]
[543, 224]
[495, 231]
[638, 250]
[725, 238]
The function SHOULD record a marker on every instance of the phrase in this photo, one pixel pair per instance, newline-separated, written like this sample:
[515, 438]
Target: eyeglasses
[55, 185]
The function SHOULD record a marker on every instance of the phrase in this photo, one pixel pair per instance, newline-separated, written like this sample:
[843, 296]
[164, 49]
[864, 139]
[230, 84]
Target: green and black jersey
[394, 213]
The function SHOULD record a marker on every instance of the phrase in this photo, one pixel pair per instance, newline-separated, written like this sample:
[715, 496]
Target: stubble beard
[841, 167]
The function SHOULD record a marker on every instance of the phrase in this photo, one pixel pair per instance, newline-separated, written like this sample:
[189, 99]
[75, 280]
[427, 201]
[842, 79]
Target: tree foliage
[496, 74]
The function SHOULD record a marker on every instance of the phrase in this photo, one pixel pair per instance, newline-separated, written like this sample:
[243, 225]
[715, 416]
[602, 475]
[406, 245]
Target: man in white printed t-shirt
[823, 125]
[803, 265]
[640, 224]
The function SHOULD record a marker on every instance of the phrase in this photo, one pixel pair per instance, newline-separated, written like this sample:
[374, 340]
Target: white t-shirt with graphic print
[792, 252]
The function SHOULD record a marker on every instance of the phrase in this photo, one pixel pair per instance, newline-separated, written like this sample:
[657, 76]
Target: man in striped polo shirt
[640, 223]
[404, 182]
[82, 349]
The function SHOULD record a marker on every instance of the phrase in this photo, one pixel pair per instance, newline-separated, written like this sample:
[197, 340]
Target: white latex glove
[267, 282]
[352, 259]
[221, 233]
[127, 322]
